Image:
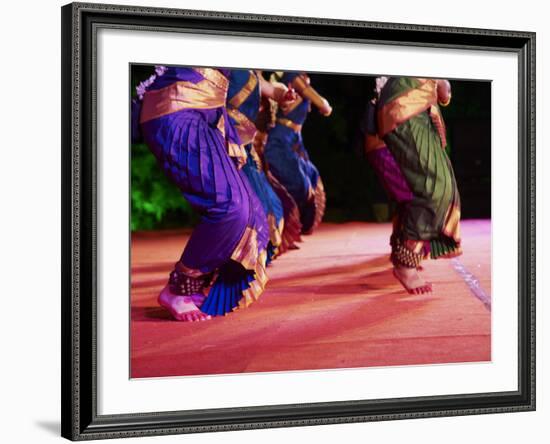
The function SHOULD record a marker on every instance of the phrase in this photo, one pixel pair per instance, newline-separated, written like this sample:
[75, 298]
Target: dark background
[335, 147]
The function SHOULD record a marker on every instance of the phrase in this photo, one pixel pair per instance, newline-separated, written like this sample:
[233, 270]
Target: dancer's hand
[287, 99]
[290, 95]
[283, 95]
[325, 109]
[277, 91]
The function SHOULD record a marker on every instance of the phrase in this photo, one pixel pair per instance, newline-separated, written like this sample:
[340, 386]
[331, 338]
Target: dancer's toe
[182, 307]
[411, 280]
[184, 317]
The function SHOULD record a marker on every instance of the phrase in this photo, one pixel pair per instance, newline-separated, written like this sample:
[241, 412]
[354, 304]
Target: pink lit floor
[331, 304]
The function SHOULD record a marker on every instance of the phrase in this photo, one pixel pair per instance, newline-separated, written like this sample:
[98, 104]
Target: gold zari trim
[256, 158]
[408, 105]
[221, 125]
[244, 126]
[246, 253]
[214, 76]
[257, 286]
[437, 120]
[320, 203]
[181, 95]
[238, 153]
[275, 230]
[289, 124]
[238, 99]
[452, 223]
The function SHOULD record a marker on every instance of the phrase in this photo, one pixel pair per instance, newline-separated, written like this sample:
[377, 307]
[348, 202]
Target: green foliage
[156, 202]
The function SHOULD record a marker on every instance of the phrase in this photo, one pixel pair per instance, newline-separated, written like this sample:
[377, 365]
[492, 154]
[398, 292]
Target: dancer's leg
[406, 262]
[183, 296]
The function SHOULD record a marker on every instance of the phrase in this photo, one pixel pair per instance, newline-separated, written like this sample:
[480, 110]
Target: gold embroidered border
[274, 230]
[256, 158]
[257, 286]
[244, 126]
[452, 223]
[290, 124]
[215, 76]
[246, 251]
[408, 105]
[238, 153]
[181, 95]
[238, 99]
[320, 203]
[221, 125]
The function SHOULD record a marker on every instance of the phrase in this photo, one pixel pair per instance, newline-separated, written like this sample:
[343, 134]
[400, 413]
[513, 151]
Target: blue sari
[243, 104]
[289, 160]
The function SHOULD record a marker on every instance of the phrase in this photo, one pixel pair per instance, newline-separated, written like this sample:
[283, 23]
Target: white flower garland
[141, 89]
[380, 82]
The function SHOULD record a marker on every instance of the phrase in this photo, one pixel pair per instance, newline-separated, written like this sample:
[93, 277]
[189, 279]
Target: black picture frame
[80, 23]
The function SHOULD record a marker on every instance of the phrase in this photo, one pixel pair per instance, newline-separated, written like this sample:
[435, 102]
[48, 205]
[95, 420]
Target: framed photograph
[278, 221]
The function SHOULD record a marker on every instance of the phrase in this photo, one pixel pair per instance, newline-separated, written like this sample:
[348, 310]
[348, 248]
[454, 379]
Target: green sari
[410, 124]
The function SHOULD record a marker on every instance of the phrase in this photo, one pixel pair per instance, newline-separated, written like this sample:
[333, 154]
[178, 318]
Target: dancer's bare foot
[411, 280]
[183, 308]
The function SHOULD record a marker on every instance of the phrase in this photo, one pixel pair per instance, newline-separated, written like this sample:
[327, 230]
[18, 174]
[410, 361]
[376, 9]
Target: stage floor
[333, 303]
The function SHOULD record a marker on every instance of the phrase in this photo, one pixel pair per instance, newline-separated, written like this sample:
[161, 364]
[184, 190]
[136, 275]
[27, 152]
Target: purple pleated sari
[184, 123]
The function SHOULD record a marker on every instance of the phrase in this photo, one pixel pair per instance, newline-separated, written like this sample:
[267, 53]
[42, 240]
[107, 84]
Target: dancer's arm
[301, 84]
[276, 91]
[443, 92]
